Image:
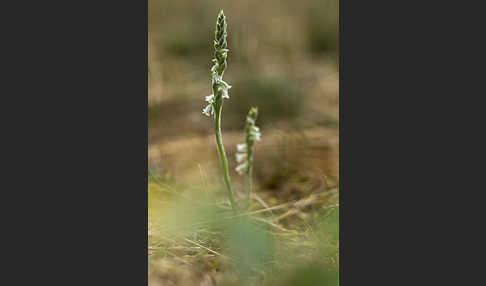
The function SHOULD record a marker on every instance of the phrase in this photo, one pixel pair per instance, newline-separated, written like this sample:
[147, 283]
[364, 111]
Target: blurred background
[283, 59]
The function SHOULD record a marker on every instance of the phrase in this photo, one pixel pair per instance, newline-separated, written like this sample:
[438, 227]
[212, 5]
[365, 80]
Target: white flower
[210, 98]
[257, 136]
[208, 110]
[241, 169]
[241, 147]
[240, 157]
[225, 93]
[255, 133]
[226, 85]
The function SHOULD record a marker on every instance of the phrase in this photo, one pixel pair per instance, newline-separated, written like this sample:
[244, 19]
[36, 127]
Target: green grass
[198, 231]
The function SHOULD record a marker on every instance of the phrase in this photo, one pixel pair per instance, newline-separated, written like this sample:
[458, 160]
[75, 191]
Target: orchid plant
[220, 92]
[244, 154]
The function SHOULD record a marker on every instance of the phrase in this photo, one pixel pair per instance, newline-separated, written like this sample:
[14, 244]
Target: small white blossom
[241, 147]
[210, 98]
[208, 110]
[225, 93]
[257, 136]
[225, 84]
[241, 169]
[257, 133]
[240, 157]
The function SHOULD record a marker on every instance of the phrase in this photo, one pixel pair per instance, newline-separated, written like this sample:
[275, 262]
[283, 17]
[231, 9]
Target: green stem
[222, 156]
[250, 183]
[249, 146]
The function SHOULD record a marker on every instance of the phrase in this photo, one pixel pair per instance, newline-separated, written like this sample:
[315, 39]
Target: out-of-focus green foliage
[251, 246]
[312, 275]
[254, 252]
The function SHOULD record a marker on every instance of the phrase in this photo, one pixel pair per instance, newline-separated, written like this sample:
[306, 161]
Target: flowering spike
[220, 87]
[244, 152]
[244, 155]
[220, 91]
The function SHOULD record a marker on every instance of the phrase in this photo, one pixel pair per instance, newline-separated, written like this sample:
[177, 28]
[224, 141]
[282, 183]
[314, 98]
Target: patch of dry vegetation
[194, 238]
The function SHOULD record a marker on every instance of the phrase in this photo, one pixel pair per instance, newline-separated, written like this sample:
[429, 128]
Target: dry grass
[192, 252]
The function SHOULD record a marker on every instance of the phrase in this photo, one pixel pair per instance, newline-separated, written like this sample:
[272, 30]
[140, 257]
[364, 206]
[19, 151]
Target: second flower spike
[244, 152]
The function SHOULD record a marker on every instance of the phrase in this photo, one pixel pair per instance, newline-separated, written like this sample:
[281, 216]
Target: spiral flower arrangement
[244, 152]
[220, 91]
